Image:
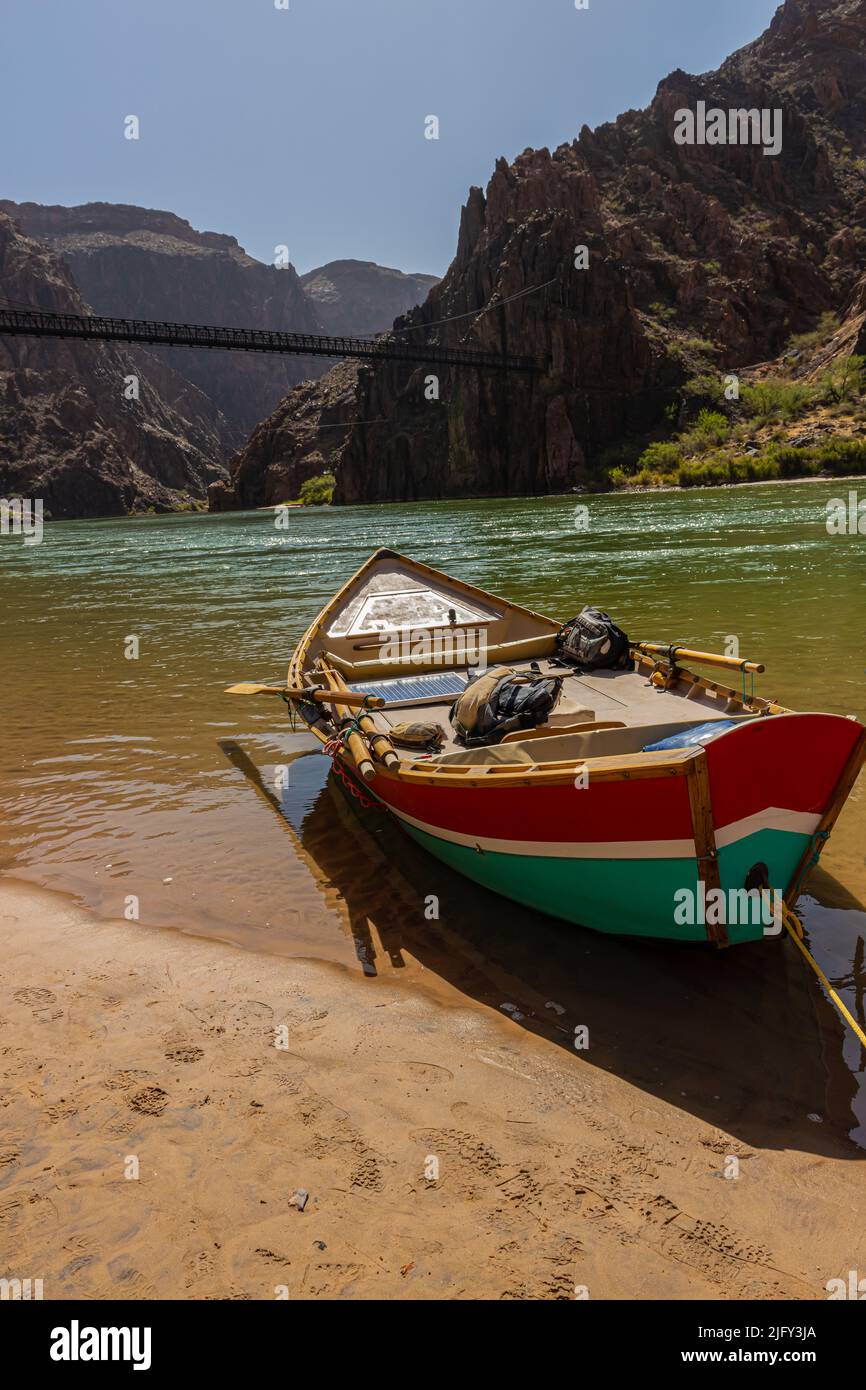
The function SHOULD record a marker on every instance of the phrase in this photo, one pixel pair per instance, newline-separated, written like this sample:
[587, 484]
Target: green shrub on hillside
[706, 386]
[318, 491]
[775, 399]
[843, 380]
[710, 428]
[841, 456]
[661, 457]
[808, 342]
[623, 455]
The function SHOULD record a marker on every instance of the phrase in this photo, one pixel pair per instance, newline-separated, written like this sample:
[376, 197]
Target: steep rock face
[143, 263]
[701, 257]
[68, 435]
[301, 439]
[495, 433]
[362, 297]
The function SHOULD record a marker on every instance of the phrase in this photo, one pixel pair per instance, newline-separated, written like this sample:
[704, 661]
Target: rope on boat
[750, 698]
[333, 748]
[795, 930]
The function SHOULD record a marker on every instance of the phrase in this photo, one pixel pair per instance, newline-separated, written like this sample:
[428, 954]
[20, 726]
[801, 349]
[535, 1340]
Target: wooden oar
[677, 654]
[381, 745]
[308, 695]
[353, 742]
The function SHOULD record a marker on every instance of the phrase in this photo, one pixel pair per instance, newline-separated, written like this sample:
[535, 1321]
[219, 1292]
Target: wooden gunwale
[685, 677]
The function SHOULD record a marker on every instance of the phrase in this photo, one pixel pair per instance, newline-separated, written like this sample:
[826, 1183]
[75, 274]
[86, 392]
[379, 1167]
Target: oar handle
[350, 698]
[676, 654]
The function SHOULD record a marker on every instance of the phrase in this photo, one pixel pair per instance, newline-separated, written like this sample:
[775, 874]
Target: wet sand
[601, 1170]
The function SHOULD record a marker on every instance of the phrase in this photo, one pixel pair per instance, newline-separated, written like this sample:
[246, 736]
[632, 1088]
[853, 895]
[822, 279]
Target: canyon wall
[69, 433]
[699, 258]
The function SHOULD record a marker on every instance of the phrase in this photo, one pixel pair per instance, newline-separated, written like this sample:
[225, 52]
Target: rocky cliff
[699, 256]
[362, 297]
[69, 434]
[302, 439]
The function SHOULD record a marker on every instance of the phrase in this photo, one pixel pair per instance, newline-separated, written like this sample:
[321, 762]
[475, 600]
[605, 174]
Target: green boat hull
[628, 897]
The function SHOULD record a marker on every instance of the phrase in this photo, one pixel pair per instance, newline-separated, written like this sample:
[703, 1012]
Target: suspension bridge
[37, 323]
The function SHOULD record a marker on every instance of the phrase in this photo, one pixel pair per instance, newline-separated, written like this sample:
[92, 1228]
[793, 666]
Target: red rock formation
[68, 435]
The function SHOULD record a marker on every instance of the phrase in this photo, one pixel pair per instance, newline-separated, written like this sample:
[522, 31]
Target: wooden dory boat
[573, 818]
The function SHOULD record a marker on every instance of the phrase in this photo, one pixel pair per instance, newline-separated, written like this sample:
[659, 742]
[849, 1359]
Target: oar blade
[251, 688]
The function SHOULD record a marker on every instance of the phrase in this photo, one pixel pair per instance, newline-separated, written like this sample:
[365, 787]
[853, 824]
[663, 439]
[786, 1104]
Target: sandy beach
[122, 1043]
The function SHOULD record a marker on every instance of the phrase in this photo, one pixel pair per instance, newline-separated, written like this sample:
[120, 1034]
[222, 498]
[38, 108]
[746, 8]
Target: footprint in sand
[197, 1264]
[150, 1100]
[122, 1080]
[422, 1073]
[40, 1001]
[34, 996]
[184, 1054]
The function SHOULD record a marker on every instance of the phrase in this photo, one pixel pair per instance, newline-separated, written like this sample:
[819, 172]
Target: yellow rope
[795, 931]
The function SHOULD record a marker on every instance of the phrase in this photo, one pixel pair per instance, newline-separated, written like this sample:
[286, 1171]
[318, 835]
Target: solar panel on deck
[413, 687]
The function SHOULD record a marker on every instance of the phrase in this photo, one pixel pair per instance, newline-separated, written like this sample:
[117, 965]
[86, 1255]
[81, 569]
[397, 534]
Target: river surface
[136, 785]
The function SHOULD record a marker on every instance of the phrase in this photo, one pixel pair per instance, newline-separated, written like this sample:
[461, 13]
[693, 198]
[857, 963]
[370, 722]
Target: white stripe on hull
[772, 818]
[541, 849]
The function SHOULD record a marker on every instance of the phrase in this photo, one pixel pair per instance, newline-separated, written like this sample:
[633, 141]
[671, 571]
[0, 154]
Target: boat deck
[624, 698]
[411, 636]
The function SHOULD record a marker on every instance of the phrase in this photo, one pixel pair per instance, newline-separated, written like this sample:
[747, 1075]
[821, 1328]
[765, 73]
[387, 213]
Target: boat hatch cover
[413, 687]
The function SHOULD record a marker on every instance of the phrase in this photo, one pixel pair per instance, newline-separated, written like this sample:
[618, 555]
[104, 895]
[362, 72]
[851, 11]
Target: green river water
[124, 777]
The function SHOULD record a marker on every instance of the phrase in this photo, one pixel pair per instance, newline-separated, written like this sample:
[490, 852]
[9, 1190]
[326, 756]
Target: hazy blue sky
[306, 126]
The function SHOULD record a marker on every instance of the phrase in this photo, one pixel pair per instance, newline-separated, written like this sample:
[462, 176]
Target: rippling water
[124, 777]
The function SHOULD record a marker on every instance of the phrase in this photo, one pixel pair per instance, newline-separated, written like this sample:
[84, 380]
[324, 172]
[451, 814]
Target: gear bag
[427, 736]
[593, 640]
[500, 701]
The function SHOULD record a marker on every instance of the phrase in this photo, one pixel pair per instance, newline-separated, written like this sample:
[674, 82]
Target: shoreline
[474, 497]
[123, 1043]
